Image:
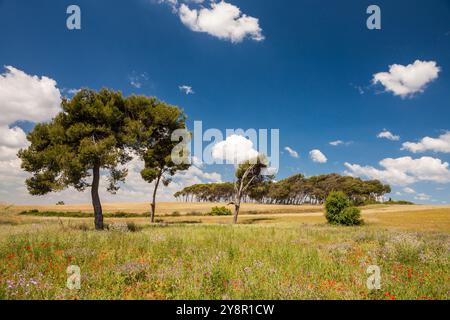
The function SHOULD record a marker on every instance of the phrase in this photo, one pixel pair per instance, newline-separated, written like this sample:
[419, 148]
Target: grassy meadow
[276, 252]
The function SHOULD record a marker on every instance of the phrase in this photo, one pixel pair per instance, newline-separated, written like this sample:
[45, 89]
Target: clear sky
[305, 67]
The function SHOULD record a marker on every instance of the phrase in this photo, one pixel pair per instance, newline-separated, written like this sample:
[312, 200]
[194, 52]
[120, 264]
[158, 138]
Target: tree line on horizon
[296, 190]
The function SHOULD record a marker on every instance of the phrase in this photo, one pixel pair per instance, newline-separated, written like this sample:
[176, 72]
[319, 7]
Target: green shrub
[335, 204]
[401, 202]
[133, 227]
[339, 210]
[350, 216]
[220, 211]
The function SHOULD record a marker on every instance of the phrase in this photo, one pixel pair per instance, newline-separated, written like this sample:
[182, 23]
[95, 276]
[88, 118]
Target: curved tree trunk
[237, 206]
[153, 206]
[98, 213]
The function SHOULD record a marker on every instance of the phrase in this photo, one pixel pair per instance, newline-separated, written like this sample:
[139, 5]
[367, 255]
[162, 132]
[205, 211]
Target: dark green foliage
[336, 203]
[86, 137]
[340, 211]
[350, 216]
[293, 190]
[401, 202]
[150, 134]
[220, 211]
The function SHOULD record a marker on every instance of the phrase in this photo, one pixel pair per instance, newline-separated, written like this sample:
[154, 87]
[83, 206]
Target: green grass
[80, 214]
[223, 262]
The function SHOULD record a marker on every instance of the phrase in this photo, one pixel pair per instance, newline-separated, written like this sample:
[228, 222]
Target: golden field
[410, 217]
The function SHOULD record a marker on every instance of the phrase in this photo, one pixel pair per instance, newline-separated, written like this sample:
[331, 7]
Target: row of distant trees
[296, 189]
[99, 132]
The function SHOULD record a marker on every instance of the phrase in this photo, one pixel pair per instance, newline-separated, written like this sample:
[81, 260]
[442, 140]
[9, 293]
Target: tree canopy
[150, 134]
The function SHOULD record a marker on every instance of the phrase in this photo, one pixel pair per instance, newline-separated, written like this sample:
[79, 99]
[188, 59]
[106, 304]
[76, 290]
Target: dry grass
[410, 217]
[164, 208]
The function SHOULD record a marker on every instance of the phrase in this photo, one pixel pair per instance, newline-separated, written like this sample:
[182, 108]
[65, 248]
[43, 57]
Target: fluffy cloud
[23, 97]
[317, 156]
[423, 197]
[186, 89]
[27, 98]
[12, 137]
[234, 150]
[336, 143]
[404, 81]
[222, 20]
[409, 190]
[441, 144]
[292, 152]
[404, 171]
[388, 135]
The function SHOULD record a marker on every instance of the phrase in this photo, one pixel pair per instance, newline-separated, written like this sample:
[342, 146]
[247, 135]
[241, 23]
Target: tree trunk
[153, 206]
[236, 213]
[98, 214]
[237, 206]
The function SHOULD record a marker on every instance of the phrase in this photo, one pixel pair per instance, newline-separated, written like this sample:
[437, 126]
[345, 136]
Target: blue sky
[311, 75]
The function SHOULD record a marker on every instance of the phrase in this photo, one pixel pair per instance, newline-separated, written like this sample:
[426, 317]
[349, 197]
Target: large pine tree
[85, 138]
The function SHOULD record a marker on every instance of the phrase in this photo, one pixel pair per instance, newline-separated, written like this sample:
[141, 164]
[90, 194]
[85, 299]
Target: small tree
[83, 139]
[339, 210]
[149, 133]
[350, 216]
[249, 174]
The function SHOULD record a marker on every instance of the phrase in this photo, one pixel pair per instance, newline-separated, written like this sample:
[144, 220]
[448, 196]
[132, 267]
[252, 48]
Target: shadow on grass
[256, 220]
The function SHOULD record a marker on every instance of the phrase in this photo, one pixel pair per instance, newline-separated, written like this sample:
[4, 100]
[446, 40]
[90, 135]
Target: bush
[350, 216]
[335, 204]
[339, 210]
[220, 211]
[133, 227]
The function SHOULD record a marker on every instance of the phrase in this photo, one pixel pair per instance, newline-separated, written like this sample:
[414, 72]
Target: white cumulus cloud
[404, 171]
[317, 156]
[385, 134]
[407, 80]
[292, 152]
[336, 143]
[441, 144]
[23, 97]
[234, 150]
[409, 190]
[222, 20]
[27, 98]
[186, 89]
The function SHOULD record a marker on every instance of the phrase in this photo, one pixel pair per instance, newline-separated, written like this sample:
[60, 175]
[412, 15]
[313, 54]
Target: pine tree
[85, 138]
